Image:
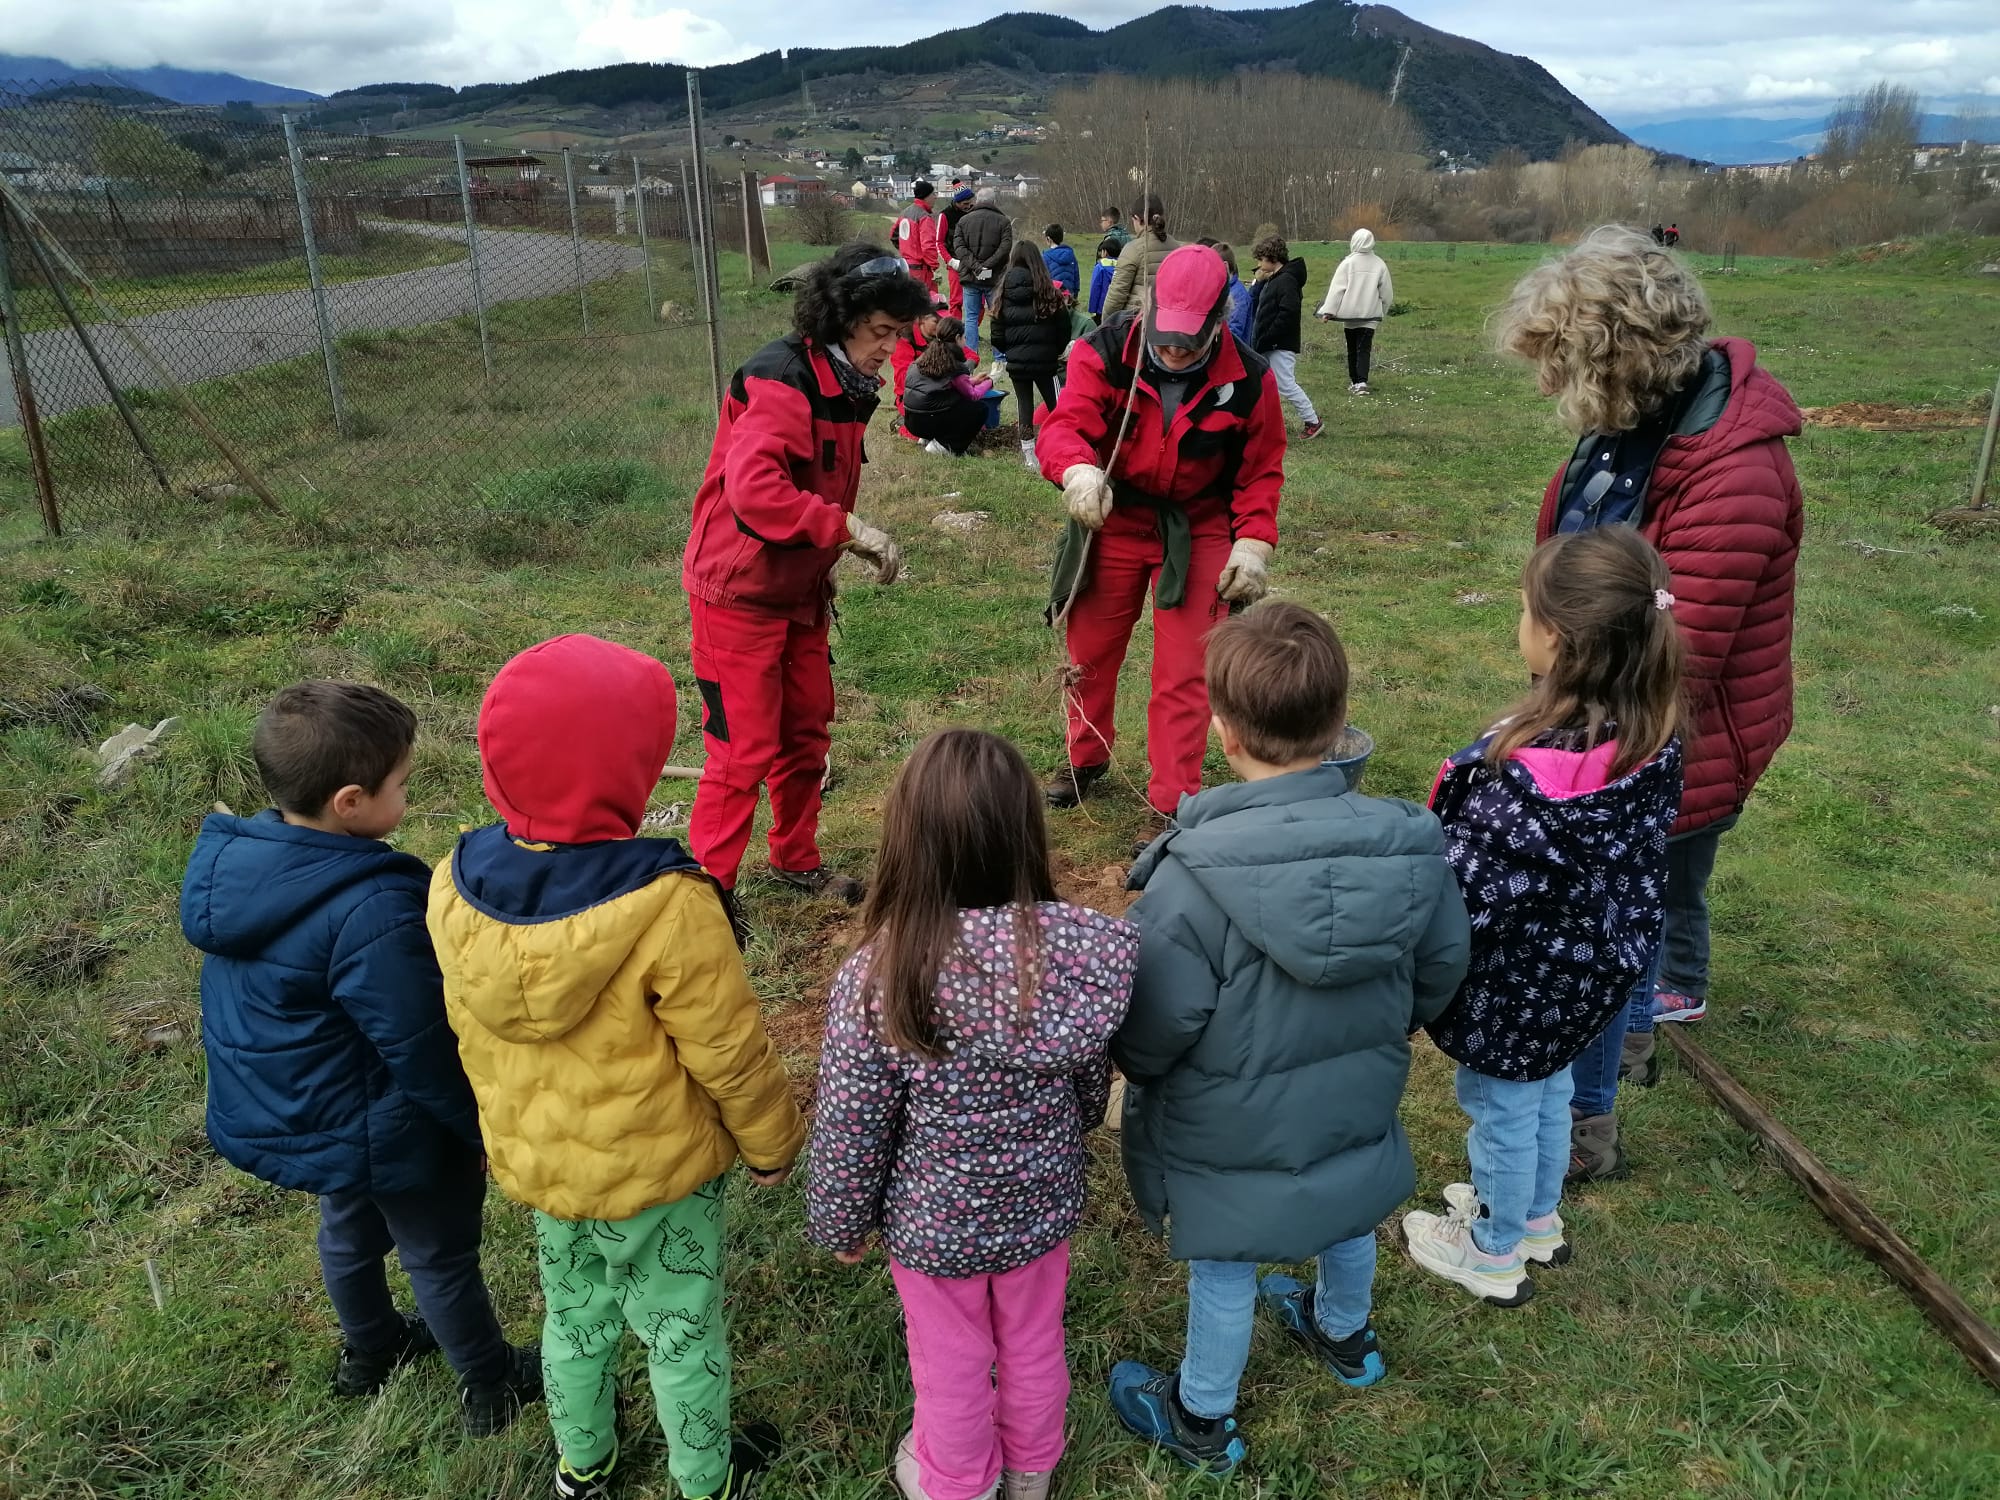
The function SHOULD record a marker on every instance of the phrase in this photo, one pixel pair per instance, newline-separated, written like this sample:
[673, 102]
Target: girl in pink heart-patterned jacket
[965, 1058]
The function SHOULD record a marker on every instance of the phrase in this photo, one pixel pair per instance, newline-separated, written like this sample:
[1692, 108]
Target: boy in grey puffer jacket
[1293, 934]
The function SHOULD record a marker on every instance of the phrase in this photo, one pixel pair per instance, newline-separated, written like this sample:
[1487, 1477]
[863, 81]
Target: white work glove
[1087, 493]
[954, 263]
[1245, 577]
[873, 546]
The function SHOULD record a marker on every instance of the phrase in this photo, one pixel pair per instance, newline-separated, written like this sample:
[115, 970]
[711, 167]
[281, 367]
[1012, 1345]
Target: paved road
[241, 333]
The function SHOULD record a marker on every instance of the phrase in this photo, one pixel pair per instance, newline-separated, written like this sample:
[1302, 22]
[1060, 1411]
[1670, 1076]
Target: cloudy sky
[1631, 63]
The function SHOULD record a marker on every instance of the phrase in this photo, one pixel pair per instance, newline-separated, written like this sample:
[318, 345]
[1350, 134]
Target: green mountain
[1469, 98]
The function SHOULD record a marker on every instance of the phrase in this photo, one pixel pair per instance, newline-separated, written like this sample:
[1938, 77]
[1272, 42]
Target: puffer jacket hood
[251, 880]
[972, 1163]
[330, 1066]
[1293, 934]
[1255, 858]
[573, 735]
[605, 1022]
[1362, 242]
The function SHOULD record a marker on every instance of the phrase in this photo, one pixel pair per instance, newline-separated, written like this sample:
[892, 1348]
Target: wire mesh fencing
[388, 334]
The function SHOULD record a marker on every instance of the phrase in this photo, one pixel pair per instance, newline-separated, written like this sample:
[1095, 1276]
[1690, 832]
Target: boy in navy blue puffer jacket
[331, 1068]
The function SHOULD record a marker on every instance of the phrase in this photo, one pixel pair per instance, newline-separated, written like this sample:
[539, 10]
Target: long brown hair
[1048, 300]
[944, 355]
[962, 827]
[1606, 595]
[1153, 215]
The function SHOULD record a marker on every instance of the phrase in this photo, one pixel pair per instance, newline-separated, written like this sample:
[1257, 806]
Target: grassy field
[1713, 1338]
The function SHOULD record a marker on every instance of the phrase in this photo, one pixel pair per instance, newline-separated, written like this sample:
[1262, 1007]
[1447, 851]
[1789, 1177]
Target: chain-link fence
[208, 307]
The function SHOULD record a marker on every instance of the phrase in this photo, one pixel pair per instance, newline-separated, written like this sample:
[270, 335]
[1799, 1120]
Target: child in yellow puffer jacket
[615, 1048]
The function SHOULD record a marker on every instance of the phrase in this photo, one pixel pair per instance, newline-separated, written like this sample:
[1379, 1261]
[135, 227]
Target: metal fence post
[472, 255]
[24, 388]
[575, 237]
[645, 250]
[326, 349]
[710, 290]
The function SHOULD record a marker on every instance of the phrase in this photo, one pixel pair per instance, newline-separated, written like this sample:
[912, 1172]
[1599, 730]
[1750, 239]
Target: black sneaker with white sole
[363, 1372]
[593, 1483]
[489, 1407]
[750, 1453]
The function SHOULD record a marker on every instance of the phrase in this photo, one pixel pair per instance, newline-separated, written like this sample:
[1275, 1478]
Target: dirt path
[241, 333]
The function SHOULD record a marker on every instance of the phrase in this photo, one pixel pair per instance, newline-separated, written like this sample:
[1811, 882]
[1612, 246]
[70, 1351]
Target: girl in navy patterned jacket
[965, 1058]
[1556, 826]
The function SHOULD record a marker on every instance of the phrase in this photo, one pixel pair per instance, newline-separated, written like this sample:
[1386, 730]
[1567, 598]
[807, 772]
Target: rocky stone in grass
[120, 756]
[961, 522]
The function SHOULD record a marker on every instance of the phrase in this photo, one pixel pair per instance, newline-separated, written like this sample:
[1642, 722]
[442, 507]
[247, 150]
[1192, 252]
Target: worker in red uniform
[773, 515]
[1189, 508]
[917, 237]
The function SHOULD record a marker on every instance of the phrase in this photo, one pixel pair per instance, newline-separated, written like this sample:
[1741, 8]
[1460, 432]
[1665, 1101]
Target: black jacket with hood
[1275, 311]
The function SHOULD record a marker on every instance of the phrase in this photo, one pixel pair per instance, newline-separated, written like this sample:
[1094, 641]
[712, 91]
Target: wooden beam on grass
[1941, 1303]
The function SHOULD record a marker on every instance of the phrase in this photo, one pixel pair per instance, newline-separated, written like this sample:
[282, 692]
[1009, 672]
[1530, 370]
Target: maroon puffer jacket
[1725, 511]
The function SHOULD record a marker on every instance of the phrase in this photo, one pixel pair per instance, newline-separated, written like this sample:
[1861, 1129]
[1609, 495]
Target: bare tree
[1872, 136]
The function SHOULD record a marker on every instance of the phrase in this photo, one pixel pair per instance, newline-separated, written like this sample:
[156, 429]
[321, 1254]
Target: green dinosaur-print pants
[659, 1273]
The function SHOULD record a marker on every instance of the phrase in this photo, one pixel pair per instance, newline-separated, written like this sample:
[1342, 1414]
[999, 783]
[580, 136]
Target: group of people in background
[562, 1001]
[972, 242]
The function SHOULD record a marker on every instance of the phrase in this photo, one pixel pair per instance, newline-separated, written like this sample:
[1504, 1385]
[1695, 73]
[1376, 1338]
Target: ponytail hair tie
[1662, 600]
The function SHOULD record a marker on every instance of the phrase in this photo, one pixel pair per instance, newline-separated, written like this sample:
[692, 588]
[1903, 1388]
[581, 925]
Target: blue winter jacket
[1061, 261]
[1240, 304]
[331, 1068]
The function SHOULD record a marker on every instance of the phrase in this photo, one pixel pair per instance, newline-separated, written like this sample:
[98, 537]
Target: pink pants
[968, 1425]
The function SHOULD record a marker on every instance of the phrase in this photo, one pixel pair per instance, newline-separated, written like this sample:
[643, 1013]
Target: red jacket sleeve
[1078, 431]
[1718, 544]
[1260, 478]
[927, 241]
[770, 441]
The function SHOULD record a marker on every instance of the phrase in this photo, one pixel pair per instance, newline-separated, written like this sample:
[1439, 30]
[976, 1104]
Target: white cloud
[1694, 55]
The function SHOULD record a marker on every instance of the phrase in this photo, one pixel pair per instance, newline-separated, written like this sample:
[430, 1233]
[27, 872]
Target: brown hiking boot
[1638, 1061]
[1070, 785]
[822, 882]
[1594, 1152]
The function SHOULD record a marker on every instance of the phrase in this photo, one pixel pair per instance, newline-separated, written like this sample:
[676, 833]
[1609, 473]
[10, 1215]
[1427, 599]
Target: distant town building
[783, 191]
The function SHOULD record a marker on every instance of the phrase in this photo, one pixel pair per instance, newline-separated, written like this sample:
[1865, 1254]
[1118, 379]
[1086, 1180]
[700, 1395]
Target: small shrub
[821, 220]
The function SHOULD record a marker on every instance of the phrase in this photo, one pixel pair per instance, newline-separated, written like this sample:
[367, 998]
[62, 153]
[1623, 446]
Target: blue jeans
[972, 306]
[1222, 1312]
[1519, 1146]
[1681, 965]
[435, 1234]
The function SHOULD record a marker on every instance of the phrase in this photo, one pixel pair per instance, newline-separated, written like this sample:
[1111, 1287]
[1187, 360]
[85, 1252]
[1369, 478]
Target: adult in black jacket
[1031, 328]
[1275, 307]
[980, 244]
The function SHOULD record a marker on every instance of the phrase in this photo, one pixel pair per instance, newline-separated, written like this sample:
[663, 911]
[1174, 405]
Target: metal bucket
[1351, 754]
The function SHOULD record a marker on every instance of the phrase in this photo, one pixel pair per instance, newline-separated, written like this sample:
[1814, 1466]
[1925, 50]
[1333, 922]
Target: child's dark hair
[1228, 254]
[1153, 214]
[1053, 234]
[1115, 214]
[838, 293]
[316, 737]
[961, 827]
[944, 355]
[1277, 675]
[1048, 296]
[1107, 249]
[1606, 595]
[1272, 247]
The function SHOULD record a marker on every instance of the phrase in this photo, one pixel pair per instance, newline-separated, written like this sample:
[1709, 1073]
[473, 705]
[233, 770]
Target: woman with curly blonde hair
[1683, 437]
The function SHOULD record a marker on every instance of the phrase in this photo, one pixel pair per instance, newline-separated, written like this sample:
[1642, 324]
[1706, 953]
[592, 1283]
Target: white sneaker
[1361, 389]
[1028, 457]
[1544, 1246]
[1442, 1244]
[934, 446]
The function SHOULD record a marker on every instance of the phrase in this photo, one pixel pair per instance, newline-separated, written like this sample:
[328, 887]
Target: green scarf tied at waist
[1176, 535]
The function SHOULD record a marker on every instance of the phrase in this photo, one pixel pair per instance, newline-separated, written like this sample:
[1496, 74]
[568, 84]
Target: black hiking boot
[750, 1453]
[822, 882]
[486, 1409]
[364, 1372]
[1072, 784]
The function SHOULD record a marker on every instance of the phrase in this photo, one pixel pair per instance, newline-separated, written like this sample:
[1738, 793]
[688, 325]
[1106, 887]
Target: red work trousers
[1124, 560]
[923, 274]
[767, 706]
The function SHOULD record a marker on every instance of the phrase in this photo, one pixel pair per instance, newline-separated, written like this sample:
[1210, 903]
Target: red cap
[573, 735]
[1189, 294]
